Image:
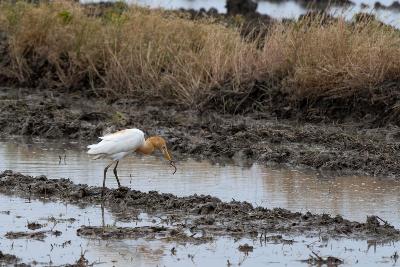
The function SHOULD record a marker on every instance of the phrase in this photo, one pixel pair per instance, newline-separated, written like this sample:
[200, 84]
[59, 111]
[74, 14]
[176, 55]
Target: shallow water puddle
[354, 197]
[63, 247]
[67, 247]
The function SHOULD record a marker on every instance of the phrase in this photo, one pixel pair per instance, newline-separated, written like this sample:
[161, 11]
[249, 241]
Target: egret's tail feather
[104, 147]
[94, 149]
[99, 156]
[118, 145]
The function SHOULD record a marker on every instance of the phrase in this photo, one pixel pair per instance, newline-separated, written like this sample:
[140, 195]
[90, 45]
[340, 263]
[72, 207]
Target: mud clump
[81, 262]
[11, 260]
[246, 248]
[34, 226]
[202, 215]
[109, 232]
[41, 235]
[146, 232]
[316, 260]
[7, 259]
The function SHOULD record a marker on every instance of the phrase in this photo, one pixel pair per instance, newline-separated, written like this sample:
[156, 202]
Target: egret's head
[159, 143]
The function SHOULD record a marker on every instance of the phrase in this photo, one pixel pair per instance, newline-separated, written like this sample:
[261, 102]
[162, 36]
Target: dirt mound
[11, 260]
[146, 232]
[40, 235]
[196, 214]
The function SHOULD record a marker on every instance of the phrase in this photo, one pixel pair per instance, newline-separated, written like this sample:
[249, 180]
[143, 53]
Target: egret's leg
[104, 180]
[116, 174]
[102, 214]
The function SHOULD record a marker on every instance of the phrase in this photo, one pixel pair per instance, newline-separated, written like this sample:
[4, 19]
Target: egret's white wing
[122, 141]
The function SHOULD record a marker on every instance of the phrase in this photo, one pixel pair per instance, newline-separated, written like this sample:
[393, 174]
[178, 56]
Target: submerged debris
[246, 248]
[276, 239]
[395, 256]
[60, 220]
[315, 259]
[82, 262]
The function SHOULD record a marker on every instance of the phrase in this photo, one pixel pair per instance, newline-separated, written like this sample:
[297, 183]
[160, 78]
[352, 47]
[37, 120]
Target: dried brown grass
[131, 52]
[335, 59]
[137, 51]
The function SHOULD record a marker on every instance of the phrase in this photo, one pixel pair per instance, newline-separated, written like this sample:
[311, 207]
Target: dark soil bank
[351, 147]
[204, 216]
[8, 259]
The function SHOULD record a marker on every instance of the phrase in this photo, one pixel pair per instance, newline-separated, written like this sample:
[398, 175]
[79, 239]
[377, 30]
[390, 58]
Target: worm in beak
[172, 163]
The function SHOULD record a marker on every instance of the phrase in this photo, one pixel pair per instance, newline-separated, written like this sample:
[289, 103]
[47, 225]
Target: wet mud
[355, 147]
[8, 259]
[34, 226]
[40, 235]
[176, 235]
[195, 218]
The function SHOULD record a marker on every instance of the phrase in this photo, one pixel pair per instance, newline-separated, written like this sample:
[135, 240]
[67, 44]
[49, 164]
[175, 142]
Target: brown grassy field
[137, 52]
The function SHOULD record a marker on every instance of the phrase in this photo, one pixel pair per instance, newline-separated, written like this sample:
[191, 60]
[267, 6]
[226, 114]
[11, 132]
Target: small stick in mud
[395, 256]
[172, 163]
[382, 220]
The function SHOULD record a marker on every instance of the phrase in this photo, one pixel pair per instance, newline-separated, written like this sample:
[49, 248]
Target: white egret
[117, 146]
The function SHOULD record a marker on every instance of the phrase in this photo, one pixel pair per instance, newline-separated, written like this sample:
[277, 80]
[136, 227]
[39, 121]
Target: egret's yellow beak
[167, 156]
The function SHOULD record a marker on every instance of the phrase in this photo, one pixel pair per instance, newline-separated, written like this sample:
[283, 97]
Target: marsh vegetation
[316, 64]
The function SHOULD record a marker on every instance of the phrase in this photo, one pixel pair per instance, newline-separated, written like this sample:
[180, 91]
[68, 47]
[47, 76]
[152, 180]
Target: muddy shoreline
[204, 217]
[349, 147]
[8, 259]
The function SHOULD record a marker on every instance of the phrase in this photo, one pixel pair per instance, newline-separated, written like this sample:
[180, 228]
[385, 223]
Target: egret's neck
[147, 148]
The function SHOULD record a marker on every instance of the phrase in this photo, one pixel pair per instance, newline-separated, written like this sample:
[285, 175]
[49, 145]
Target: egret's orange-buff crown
[157, 141]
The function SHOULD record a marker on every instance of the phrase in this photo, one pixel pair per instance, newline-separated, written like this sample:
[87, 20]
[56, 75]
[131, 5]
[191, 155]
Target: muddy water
[67, 247]
[354, 197]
